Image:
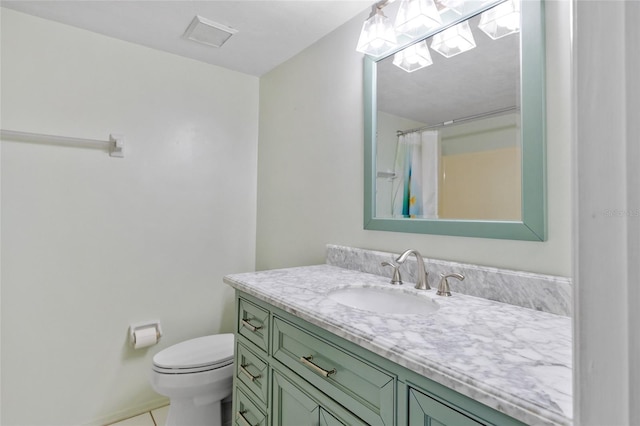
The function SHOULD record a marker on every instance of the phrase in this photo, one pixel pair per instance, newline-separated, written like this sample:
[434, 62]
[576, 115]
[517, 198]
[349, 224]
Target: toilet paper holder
[140, 330]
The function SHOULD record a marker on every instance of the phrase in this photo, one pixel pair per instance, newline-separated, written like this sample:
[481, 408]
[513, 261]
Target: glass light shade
[377, 36]
[456, 6]
[416, 17]
[454, 40]
[502, 20]
[413, 58]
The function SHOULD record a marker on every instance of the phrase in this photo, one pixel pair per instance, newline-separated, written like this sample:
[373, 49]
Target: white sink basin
[391, 301]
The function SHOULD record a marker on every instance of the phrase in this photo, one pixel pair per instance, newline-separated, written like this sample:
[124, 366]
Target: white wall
[91, 243]
[310, 167]
[632, 14]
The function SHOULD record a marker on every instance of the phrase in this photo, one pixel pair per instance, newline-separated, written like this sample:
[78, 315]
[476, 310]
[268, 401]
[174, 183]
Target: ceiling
[269, 32]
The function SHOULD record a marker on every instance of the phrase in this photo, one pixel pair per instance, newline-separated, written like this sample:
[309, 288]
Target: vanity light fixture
[414, 57]
[416, 17]
[454, 40]
[377, 36]
[501, 20]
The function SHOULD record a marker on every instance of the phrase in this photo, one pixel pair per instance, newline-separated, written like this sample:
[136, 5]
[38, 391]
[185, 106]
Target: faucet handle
[443, 287]
[396, 278]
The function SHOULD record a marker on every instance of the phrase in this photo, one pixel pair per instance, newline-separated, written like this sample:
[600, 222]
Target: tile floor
[157, 417]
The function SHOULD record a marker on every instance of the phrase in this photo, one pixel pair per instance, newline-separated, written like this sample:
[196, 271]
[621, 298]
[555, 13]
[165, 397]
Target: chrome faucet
[421, 279]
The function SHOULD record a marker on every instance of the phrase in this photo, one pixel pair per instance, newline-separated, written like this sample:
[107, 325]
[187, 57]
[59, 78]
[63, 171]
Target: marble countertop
[513, 359]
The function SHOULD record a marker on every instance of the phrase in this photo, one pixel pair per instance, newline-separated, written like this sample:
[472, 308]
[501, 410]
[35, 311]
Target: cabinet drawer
[252, 371]
[341, 375]
[247, 413]
[253, 323]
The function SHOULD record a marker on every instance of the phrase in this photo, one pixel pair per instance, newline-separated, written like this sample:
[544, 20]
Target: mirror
[457, 147]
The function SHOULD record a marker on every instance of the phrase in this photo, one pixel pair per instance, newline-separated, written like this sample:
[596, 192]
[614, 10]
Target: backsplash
[534, 291]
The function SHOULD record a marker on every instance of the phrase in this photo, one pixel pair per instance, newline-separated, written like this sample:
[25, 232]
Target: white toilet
[196, 375]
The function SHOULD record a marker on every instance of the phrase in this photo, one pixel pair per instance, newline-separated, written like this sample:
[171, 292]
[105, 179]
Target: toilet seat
[196, 355]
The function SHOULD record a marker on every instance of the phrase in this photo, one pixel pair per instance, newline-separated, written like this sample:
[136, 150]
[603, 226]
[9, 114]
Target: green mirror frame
[532, 227]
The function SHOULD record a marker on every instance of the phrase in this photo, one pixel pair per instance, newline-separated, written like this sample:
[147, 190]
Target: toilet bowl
[196, 375]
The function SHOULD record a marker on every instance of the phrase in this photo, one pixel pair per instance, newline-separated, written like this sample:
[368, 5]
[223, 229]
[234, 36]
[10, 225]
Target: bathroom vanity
[302, 357]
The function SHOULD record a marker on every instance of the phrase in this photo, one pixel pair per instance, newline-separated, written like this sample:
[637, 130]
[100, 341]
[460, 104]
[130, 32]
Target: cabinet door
[426, 411]
[327, 419]
[293, 406]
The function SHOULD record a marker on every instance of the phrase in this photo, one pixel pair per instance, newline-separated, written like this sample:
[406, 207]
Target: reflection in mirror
[448, 133]
[455, 130]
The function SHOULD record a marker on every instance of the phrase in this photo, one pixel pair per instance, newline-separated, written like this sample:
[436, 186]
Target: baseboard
[130, 412]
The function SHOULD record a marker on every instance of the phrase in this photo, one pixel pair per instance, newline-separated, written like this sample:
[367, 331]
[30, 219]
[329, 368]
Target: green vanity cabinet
[289, 372]
[304, 406]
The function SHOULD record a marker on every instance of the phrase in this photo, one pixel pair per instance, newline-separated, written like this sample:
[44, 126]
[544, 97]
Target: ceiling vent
[207, 32]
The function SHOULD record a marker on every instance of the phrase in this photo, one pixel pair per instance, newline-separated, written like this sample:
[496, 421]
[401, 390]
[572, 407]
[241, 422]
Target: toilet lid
[205, 351]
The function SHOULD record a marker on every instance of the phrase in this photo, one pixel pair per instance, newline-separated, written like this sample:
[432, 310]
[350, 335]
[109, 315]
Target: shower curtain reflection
[415, 191]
